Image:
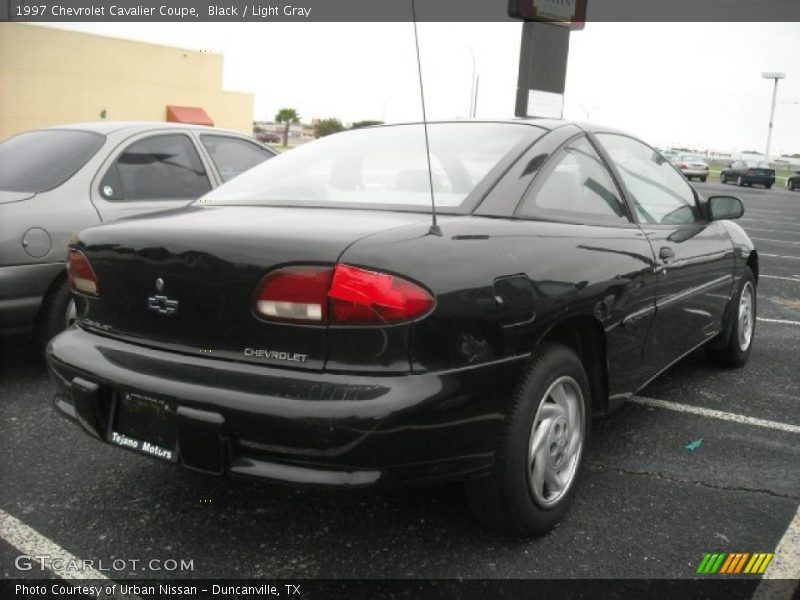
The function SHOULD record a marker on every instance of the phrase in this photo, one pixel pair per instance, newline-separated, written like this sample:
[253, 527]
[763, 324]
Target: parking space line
[715, 414]
[781, 321]
[791, 242]
[32, 543]
[796, 232]
[758, 221]
[780, 256]
[797, 279]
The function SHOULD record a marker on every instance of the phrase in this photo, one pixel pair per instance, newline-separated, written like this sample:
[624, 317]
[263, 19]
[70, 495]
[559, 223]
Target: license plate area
[145, 424]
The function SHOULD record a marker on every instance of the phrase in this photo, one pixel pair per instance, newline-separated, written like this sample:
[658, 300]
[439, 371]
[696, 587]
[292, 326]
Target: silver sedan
[692, 166]
[55, 182]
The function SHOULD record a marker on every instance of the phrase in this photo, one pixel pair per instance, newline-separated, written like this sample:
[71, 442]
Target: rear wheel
[540, 450]
[57, 313]
[703, 179]
[737, 339]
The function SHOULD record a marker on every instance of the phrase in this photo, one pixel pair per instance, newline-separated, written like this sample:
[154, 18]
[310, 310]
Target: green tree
[325, 127]
[360, 124]
[287, 116]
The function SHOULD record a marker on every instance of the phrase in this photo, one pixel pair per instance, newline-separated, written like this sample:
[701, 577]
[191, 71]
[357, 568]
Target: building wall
[50, 76]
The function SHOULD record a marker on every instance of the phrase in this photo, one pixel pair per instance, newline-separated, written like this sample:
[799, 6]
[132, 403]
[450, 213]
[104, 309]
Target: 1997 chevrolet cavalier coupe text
[306, 323]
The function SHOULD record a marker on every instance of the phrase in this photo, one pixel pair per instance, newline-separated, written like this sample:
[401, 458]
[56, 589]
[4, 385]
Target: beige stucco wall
[50, 76]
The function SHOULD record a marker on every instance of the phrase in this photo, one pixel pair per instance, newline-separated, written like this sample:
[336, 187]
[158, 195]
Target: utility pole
[776, 77]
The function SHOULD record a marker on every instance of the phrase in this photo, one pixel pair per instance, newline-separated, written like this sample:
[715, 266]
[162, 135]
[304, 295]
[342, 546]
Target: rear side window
[162, 167]
[38, 161]
[233, 156]
[659, 193]
[578, 187]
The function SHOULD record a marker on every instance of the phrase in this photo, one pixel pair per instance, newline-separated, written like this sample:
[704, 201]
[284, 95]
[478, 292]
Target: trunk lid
[185, 280]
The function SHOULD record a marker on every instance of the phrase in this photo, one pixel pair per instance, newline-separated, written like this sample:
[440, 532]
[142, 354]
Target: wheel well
[752, 262]
[586, 337]
[57, 281]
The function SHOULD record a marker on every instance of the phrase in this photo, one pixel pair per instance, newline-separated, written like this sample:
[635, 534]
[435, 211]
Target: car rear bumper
[22, 288]
[695, 172]
[292, 426]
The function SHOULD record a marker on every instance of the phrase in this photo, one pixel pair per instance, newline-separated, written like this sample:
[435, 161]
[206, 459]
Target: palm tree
[287, 116]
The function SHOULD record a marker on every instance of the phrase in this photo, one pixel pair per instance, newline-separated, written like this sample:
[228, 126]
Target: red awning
[188, 114]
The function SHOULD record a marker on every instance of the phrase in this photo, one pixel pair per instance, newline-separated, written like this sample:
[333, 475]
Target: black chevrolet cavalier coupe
[305, 323]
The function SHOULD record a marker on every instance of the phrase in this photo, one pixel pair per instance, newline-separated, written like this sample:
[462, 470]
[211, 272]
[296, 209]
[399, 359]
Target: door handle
[666, 254]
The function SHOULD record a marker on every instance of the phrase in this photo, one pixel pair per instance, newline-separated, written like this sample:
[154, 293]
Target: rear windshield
[692, 158]
[38, 161]
[382, 166]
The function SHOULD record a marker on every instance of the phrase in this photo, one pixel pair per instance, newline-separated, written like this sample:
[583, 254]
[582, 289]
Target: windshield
[379, 166]
[38, 161]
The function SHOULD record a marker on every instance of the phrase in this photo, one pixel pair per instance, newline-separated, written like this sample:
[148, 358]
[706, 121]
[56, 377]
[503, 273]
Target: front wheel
[735, 343]
[540, 449]
[739, 181]
[768, 185]
[722, 178]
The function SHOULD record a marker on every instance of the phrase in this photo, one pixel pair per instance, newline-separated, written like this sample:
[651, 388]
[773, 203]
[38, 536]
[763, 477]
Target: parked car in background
[55, 182]
[329, 334]
[745, 172]
[793, 181]
[692, 166]
[268, 137]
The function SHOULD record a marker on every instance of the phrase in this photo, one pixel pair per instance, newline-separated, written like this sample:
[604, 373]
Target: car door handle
[666, 254]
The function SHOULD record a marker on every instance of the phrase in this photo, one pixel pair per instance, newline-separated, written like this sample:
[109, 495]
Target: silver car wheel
[746, 316]
[70, 314]
[556, 442]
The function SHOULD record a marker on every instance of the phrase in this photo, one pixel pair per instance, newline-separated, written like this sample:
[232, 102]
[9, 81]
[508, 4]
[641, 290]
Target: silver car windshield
[380, 166]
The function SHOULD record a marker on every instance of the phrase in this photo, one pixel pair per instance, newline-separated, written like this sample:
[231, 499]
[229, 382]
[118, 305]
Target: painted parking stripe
[797, 279]
[30, 542]
[715, 414]
[792, 243]
[780, 256]
[781, 321]
[789, 231]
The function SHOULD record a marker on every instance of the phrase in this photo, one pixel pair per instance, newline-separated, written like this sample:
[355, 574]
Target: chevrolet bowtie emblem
[162, 305]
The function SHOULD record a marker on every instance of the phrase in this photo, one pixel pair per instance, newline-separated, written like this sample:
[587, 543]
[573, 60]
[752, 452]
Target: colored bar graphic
[734, 563]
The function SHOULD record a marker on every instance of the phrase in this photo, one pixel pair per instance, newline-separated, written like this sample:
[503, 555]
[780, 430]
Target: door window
[577, 188]
[233, 156]
[162, 167]
[658, 192]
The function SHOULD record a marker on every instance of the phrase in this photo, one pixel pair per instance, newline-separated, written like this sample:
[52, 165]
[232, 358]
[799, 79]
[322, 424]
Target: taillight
[684, 167]
[342, 295]
[359, 296]
[80, 274]
[294, 294]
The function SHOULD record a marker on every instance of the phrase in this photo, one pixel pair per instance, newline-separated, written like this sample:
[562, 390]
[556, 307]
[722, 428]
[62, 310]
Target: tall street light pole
[776, 77]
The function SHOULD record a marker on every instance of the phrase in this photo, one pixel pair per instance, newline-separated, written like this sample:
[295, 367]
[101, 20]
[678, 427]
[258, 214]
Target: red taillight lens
[294, 294]
[684, 167]
[80, 274]
[358, 296]
[343, 295]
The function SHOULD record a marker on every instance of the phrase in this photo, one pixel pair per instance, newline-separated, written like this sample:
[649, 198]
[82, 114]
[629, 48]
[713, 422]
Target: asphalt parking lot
[647, 506]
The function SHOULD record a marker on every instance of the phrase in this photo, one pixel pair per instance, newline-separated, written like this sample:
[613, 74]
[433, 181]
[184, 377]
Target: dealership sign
[570, 13]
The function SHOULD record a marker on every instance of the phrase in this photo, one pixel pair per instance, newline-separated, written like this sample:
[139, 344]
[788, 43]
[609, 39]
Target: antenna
[434, 230]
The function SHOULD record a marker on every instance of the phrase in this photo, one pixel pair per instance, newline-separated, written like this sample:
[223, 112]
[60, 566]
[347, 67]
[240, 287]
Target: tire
[703, 179]
[768, 186]
[735, 344]
[509, 500]
[722, 178]
[56, 314]
[739, 181]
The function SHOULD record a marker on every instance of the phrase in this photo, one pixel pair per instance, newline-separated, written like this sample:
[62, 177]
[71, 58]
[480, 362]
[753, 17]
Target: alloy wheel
[556, 442]
[746, 316]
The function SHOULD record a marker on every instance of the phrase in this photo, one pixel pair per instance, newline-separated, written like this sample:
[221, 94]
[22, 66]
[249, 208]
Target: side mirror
[725, 207]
